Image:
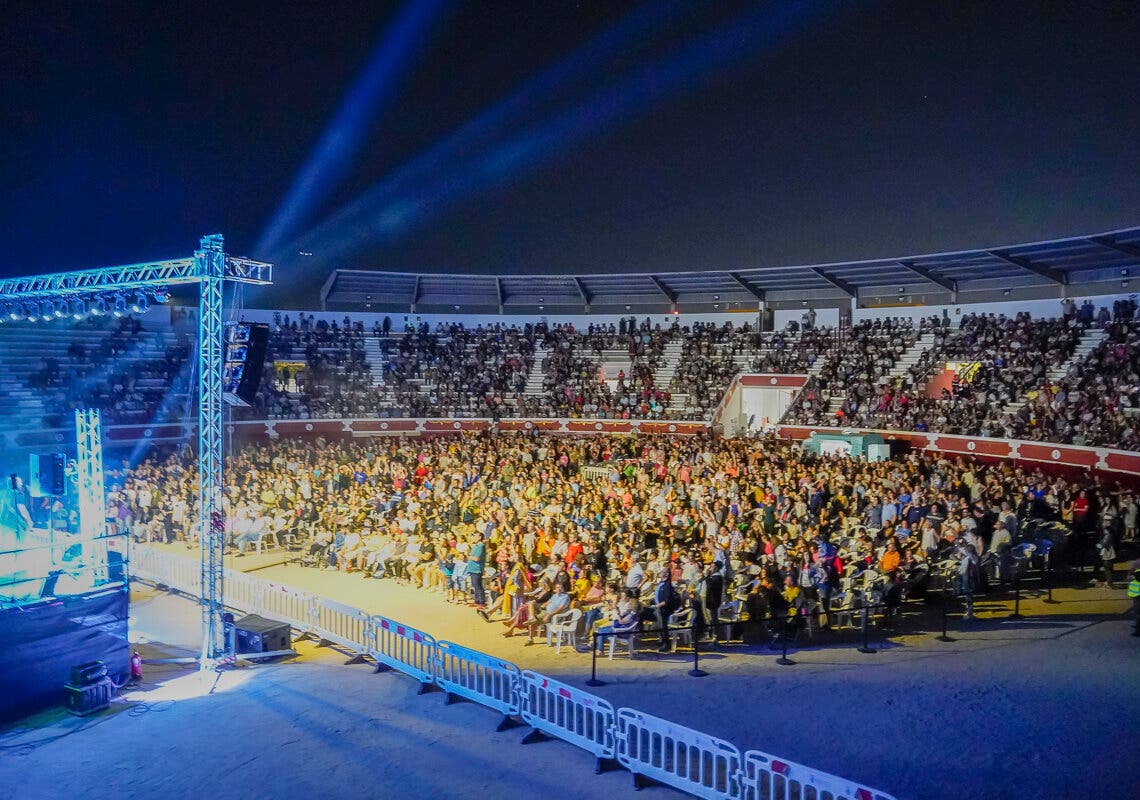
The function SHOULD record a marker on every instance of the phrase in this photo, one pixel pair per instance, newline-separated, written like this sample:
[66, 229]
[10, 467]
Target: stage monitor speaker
[246, 344]
[47, 476]
[254, 634]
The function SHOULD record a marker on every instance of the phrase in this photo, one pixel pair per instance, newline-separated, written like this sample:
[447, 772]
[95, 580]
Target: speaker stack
[245, 361]
[89, 690]
[254, 634]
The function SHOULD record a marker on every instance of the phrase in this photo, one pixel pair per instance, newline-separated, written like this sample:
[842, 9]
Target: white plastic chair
[681, 624]
[728, 615]
[564, 626]
[626, 635]
[267, 539]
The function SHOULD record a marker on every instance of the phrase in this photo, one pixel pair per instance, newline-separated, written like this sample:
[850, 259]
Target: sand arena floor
[1044, 708]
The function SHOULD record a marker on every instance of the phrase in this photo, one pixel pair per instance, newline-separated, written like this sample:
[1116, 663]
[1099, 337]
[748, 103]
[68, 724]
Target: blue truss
[210, 267]
[92, 497]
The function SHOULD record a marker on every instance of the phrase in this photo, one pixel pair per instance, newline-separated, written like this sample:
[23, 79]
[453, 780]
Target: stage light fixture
[120, 309]
[60, 309]
[161, 295]
[140, 303]
[47, 311]
[99, 307]
[78, 308]
[17, 311]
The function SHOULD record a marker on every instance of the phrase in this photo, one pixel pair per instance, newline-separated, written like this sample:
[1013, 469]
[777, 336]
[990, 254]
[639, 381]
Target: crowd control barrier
[396, 646]
[288, 605]
[335, 623]
[685, 759]
[767, 777]
[567, 713]
[649, 747]
[489, 681]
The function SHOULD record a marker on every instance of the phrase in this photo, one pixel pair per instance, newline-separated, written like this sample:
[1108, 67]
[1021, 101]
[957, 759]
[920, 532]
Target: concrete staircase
[667, 369]
[912, 355]
[1090, 341]
[534, 378]
[375, 357]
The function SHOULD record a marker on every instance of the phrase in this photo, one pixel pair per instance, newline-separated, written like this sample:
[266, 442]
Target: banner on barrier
[402, 648]
[477, 676]
[568, 713]
[688, 760]
[766, 777]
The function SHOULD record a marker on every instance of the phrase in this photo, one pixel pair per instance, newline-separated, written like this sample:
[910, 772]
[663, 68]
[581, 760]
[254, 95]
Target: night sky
[880, 129]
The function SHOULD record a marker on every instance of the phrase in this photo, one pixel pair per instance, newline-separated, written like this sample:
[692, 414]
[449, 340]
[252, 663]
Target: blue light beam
[757, 32]
[589, 62]
[370, 96]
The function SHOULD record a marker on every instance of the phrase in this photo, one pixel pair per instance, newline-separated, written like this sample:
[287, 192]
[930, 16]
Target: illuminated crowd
[509, 522]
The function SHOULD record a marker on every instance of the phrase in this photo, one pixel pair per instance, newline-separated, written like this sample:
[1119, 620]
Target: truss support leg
[210, 262]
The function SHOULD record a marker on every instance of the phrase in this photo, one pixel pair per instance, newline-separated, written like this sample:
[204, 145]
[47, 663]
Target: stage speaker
[254, 634]
[47, 477]
[89, 698]
[244, 362]
[88, 673]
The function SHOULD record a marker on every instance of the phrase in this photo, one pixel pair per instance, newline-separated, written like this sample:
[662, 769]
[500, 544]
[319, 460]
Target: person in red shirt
[573, 550]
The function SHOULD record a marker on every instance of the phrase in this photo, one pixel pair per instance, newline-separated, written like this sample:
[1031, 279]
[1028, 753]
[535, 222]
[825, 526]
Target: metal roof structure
[1040, 269]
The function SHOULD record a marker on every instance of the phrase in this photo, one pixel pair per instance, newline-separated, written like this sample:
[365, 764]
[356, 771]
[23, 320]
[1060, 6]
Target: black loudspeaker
[47, 477]
[87, 699]
[254, 634]
[245, 361]
[88, 673]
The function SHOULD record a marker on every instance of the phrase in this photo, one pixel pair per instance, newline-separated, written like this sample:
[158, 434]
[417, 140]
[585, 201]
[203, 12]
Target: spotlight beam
[588, 62]
[367, 221]
[372, 94]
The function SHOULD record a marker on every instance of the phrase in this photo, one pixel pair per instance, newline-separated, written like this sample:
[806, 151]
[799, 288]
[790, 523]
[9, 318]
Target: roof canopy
[1074, 266]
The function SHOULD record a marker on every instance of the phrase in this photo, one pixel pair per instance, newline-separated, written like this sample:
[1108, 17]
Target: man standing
[475, 560]
[664, 604]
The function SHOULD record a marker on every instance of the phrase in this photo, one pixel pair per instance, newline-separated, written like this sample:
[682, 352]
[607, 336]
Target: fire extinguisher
[136, 667]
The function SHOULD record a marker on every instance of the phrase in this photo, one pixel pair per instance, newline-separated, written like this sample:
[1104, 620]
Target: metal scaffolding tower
[92, 497]
[210, 268]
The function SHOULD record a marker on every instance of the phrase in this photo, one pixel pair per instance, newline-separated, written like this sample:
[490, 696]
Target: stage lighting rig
[113, 288]
[78, 308]
[140, 304]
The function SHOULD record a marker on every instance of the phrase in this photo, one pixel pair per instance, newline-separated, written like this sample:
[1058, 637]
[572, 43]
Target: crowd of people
[508, 524]
[1007, 383]
[133, 375]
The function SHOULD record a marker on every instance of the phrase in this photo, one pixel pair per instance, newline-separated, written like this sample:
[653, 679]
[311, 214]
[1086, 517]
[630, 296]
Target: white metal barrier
[340, 624]
[288, 605]
[647, 746]
[568, 713]
[402, 648]
[769, 778]
[487, 680]
[242, 592]
[680, 757]
[179, 574]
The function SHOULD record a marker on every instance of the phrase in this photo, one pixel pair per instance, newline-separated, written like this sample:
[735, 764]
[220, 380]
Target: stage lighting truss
[77, 307]
[119, 288]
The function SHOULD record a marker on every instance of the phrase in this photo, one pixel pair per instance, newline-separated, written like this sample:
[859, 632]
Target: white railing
[568, 713]
[648, 746]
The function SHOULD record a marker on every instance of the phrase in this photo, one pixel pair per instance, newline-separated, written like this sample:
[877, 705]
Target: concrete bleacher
[46, 368]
